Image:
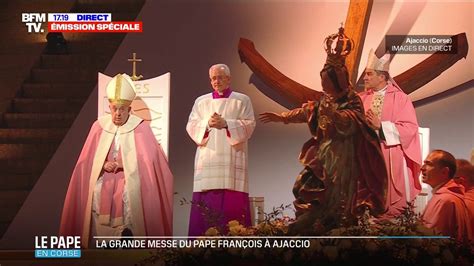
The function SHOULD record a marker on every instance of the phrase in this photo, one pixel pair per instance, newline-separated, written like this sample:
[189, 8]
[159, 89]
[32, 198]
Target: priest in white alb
[220, 124]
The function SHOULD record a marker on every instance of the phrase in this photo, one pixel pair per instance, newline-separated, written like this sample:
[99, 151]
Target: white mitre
[121, 90]
[379, 64]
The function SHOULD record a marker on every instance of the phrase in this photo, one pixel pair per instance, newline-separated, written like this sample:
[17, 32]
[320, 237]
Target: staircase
[48, 102]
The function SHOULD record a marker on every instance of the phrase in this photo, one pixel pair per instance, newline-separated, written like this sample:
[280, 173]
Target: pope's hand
[109, 166]
[118, 165]
[112, 166]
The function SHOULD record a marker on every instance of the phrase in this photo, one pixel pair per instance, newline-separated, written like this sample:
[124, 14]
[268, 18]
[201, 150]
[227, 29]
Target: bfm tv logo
[33, 21]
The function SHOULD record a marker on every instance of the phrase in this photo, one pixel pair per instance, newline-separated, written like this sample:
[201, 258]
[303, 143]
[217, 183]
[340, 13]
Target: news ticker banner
[70, 246]
[77, 22]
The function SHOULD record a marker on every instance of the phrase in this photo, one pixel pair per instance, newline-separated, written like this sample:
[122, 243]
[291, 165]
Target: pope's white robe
[221, 156]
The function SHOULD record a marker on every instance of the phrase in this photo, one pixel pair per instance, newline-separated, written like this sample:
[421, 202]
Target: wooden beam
[356, 25]
[356, 28]
[295, 92]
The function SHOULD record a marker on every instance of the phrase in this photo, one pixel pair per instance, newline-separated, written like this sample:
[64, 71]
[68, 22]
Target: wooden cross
[134, 61]
[356, 28]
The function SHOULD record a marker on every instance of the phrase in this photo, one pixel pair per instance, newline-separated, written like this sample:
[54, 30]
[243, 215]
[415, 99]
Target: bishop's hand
[373, 120]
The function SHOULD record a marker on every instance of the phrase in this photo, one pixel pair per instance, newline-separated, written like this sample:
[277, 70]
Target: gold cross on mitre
[134, 61]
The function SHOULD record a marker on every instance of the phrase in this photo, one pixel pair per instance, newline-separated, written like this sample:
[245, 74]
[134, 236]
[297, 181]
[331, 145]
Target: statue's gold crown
[337, 46]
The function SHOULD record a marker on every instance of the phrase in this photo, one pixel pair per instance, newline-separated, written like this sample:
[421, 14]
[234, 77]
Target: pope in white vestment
[122, 184]
[220, 124]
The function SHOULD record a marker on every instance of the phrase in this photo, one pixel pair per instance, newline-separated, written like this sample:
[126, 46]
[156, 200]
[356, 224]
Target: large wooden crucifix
[356, 25]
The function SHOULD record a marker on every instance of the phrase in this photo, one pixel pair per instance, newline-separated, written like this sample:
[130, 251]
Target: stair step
[100, 46]
[26, 151]
[7, 214]
[32, 105]
[15, 198]
[52, 75]
[33, 120]
[17, 181]
[57, 90]
[74, 60]
[23, 166]
[10, 203]
[3, 228]
[32, 135]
